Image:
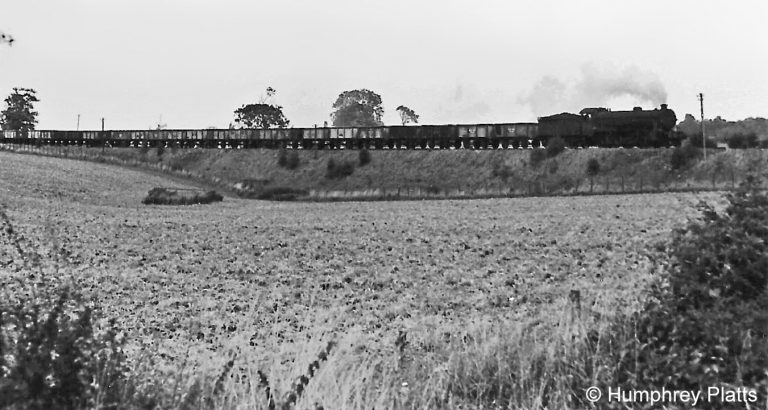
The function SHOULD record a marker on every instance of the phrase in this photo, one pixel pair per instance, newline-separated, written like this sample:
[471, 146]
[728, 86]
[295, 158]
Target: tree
[261, 114]
[19, 113]
[357, 108]
[690, 126]
[407, 115]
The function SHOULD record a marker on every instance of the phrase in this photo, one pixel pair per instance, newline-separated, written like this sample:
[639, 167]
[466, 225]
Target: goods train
[598, 127]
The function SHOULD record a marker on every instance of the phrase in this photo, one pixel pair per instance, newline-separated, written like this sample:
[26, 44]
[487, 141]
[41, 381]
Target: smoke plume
[596, 87]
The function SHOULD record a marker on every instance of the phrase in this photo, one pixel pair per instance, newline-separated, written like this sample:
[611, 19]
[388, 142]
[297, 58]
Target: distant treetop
[261, 114]
[19, 113]
[357, 108]
[407, 115]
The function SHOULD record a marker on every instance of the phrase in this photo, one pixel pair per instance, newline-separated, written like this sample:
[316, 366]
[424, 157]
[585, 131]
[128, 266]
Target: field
[406, 291]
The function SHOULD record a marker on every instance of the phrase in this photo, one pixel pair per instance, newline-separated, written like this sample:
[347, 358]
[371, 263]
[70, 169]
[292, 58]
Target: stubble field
[399, 288]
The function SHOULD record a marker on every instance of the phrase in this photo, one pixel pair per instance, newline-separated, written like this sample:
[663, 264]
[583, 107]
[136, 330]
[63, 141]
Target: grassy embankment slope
[443, 172]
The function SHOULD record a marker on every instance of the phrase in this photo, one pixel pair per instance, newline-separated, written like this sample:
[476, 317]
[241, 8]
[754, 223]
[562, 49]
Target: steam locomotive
[601, 127]
[598, 127]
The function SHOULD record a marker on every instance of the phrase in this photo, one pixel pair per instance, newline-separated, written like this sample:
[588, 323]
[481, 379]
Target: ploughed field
[274, 282]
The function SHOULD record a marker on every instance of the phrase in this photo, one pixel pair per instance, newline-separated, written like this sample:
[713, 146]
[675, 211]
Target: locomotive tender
[592, 127]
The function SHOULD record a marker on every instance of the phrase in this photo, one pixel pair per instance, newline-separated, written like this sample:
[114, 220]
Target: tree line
[354, 108]
[746, 133]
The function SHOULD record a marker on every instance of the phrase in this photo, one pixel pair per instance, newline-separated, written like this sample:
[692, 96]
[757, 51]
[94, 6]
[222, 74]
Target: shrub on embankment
[171, 196]
[280, 193]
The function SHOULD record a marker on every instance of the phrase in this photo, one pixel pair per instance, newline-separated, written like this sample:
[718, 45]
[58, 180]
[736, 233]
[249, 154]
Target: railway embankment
[414, 174]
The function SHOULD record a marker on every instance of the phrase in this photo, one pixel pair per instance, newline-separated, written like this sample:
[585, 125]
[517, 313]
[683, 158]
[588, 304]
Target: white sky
[452, 61]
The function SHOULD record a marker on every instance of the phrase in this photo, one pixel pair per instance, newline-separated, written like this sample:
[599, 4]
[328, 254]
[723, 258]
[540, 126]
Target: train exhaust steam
[597, 86]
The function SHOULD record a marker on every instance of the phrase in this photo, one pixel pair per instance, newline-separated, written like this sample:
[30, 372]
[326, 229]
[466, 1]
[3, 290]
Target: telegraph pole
[703, 134]
[78, 122]
[102, 122]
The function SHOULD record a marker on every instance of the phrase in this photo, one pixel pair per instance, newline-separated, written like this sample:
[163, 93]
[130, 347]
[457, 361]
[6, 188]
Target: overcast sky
[452, 61]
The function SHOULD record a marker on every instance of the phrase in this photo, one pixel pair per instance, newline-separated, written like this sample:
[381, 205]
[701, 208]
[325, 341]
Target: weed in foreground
[51, 355]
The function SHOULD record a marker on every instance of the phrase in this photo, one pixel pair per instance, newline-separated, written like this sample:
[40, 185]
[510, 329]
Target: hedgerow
[706, 324]
[166, 196]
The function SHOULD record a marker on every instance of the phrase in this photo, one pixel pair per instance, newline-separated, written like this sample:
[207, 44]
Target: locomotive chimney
[663, 106]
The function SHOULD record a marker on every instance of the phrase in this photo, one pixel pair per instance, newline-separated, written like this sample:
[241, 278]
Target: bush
[293, 160]
[695, 350]
[537, 156]
[288, 160]
[364, 157]
[593, 167]
[743, 141]
[281, 193]
[170, 196]
[709, 327]
[683, 156]
[50, 356]
[555, 146]
[339, 171]
[207, 197]
[725, 255]
[432, 189]
[696, 141]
